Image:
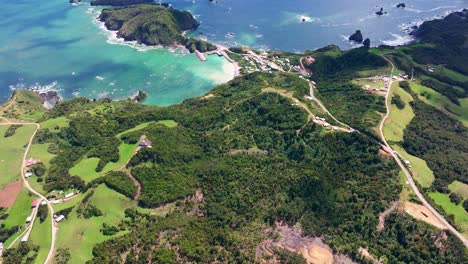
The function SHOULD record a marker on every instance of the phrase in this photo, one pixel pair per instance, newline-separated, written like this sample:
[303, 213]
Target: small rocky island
[401, 5]
[356, 37]
[154, 24]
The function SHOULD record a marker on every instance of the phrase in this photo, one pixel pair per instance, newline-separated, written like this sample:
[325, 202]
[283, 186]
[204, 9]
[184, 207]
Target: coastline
[113, 39]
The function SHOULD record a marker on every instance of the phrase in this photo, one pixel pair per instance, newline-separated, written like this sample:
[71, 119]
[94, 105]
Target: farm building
[31, 162]
[59, 218]
[25, 239]
[35, 203]
[28, 174]
[68, 195]
[145, 143]
[29, 219]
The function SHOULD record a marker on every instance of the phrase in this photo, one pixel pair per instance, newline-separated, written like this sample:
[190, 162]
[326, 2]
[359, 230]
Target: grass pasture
[461, 217]
[55, 124]
[459, 188]
[39, 151]
[398, 119]
[11, 153]
[437, 100]
[27, 105]
[86, 169]
[40, 235]
[80, 235]
[421, 172]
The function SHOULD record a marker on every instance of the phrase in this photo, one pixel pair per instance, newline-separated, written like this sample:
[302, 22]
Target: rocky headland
[154, 24]
[119, 2]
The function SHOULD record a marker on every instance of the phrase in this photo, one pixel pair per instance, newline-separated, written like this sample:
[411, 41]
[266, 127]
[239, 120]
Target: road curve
[405, 170]
[42, 197]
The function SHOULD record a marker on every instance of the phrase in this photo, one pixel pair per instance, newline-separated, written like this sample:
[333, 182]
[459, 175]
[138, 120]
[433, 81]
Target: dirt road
[405, 170]
[26, 184]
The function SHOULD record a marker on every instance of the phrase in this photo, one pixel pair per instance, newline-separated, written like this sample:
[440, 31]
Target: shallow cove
[54, 44]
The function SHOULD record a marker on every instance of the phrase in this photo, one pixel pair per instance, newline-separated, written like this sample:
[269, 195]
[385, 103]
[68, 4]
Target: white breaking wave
[429, 10]
[35, 87]
[398, 40]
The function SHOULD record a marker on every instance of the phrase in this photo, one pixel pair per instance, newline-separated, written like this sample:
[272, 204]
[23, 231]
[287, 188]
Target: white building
[68, 195]
[29, 219]
[59, 218]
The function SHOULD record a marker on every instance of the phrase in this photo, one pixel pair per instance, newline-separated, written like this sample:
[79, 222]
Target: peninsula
[153, 24]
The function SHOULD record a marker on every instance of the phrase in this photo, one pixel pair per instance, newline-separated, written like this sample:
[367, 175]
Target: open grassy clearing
[40, 235]
[398, 119]
[39, 151]
[11, 153]
[26, 106]
[378, 84]
[450, 74]
[20, 210]
[86, 169]
[421, 172]
[461, 217]
[55, 124]
[168, 123]
[459, 188]
[374, 72]
[437, 100]
[80, 235]
[125, 153]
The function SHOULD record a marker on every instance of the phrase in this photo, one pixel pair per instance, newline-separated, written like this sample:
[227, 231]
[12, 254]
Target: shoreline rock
[356, 37]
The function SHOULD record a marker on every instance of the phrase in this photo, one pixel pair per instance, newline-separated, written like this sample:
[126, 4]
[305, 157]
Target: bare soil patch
[290, 238]
[420, 212]
[9, 193]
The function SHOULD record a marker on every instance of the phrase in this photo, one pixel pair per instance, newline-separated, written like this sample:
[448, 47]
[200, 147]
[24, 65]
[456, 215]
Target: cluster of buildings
[28, 173]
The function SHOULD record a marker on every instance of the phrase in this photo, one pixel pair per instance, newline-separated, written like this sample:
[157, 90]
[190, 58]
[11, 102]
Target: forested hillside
[237, 163]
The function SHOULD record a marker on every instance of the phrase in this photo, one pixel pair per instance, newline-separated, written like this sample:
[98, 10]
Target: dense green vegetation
[149, 24]
[11, 130]
[347, 101]
[439, 140]
[154, 24]
[334, 184]
[448, 38]
[120, 182]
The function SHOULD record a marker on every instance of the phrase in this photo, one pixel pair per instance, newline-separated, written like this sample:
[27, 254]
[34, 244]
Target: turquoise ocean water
[57, 45]
[52, 44]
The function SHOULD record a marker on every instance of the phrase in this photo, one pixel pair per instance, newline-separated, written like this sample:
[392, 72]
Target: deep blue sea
[52, 44]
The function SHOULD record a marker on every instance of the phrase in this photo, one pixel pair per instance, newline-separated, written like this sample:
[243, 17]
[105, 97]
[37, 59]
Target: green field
[168, 123]
[11, 153]
[421, 172]
[80, 235]
[54, 123]
[39, 151]
[27, 106]
[379, 84]
[398, 119]
[461, 217]
[459, 188]
[125, 153]
[86, 169]
[437, 100]
[40, 235]
[451, 74]
[20, 210]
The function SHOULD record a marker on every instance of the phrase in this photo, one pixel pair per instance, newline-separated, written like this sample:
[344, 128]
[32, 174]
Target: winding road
[26, 184]
[405, 170]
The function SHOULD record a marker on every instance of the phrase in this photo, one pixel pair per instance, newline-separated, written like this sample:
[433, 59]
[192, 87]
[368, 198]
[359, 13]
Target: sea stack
[380, 12]
[402, 5]
[356, 37]
[366, 43]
